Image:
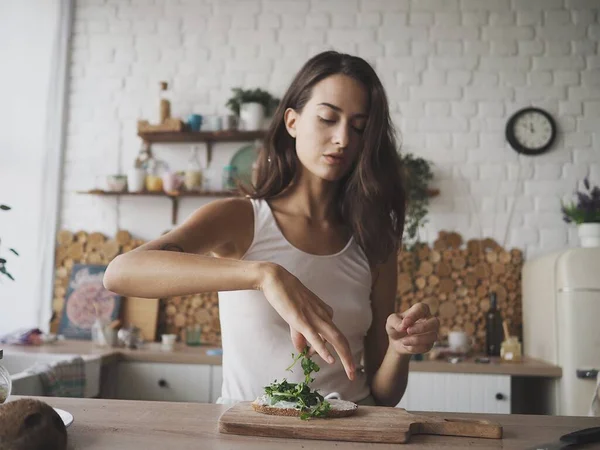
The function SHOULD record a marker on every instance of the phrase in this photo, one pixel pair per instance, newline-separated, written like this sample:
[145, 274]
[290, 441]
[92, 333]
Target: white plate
[66, 417]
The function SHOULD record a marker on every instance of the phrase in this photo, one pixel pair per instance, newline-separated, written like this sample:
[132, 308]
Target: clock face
[531, 131]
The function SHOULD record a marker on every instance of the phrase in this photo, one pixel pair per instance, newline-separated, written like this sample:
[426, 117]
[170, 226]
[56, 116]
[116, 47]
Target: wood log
[435, 257]
[420, 283]
[491, 257]
[446, 285]
[470, 279]
[504, 257]
[110, 249]
[64, 238]
[123, 237]
[458, 262]
[482, 291]
[461, 291]
[426, 268]
[95, 239]
[180, 320]
[433, 304]
[469, 328]
[443, 270]
[482, 271]
[489, 244]
[484, 304]
[433, 280]
[447, 310]
[474, 247]
[498, 268]
[75, 251]
[81, 236]
[423, 252]
[404, 283]
[454, 240]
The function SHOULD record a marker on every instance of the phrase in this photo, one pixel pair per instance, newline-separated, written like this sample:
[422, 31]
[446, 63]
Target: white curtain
[34, 44]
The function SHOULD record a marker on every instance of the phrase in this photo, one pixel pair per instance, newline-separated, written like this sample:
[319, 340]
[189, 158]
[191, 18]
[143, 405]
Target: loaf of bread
[28, 424]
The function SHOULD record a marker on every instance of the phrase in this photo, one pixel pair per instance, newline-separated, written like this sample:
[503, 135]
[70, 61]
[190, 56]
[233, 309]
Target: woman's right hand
[310, 318]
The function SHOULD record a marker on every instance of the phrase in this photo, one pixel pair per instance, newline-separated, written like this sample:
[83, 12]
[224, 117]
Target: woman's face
[329, 129]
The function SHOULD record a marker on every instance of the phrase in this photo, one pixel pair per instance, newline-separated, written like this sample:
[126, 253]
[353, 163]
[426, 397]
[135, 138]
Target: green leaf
[5, 272]
[14, 251]
[5, 208]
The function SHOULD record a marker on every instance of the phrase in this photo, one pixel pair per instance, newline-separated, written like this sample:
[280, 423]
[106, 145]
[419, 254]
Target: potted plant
[585, 213]
[252, 106]
[3, 269]
[418, 175]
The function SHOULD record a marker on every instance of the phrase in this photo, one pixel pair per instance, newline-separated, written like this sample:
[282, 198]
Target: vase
[252, 116]
[589, 234]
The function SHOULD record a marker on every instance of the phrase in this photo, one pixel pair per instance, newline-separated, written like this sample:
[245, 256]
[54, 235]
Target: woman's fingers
[424, 326]
[317, 343]
[298, 340]
[339, 342]
[420, 339]
[395, 326]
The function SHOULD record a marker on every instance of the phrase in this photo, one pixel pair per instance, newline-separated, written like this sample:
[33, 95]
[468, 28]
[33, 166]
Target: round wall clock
[531, 131]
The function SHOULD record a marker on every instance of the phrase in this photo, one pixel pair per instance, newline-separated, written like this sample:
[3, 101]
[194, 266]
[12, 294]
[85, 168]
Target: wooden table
[132, 425]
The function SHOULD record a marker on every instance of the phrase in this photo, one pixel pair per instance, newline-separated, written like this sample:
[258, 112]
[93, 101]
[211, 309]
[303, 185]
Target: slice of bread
[339, 408]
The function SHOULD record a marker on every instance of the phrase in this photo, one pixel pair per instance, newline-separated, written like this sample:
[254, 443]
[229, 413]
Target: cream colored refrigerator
[561, 323]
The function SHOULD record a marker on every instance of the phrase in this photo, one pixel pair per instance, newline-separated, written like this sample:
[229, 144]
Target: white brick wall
[454, 71]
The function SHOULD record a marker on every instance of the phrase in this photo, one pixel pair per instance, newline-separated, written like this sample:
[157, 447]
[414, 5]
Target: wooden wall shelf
[207, 137]
[173, 196]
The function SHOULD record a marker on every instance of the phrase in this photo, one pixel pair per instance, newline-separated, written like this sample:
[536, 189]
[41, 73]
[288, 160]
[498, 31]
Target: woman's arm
[218, 227]
[393, 337]
[176, 264]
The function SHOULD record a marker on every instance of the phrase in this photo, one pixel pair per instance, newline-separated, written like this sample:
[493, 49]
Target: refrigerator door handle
[587, 373]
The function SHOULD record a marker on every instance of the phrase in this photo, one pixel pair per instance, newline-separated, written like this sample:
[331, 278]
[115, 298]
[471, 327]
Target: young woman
[308, 257]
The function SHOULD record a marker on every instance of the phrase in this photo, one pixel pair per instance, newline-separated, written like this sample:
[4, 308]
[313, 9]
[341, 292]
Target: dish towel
[595, 406]
[62, 378]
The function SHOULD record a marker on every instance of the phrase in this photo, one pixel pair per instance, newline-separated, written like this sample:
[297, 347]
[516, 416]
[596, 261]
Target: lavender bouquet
[587, 207]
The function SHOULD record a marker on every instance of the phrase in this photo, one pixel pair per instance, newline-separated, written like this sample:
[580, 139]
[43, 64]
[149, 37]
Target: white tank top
[257, 346]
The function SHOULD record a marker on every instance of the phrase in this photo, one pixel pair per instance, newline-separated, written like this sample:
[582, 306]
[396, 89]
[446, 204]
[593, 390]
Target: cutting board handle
[457, 427]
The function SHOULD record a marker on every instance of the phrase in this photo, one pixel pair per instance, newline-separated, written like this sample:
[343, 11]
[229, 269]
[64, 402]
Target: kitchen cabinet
[163, 382]
[458, 392]
[216, 379]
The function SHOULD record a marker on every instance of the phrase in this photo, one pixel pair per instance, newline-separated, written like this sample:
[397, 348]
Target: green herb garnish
[311, 403]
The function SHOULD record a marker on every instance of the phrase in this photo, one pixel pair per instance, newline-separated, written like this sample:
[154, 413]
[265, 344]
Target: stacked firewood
[96, 248]
[456, 282]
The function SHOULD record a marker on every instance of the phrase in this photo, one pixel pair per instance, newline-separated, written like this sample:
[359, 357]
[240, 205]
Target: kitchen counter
[182, 354]
[131, 425]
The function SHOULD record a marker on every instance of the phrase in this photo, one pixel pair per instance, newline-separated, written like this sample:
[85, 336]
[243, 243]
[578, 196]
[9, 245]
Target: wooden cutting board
[369, 424]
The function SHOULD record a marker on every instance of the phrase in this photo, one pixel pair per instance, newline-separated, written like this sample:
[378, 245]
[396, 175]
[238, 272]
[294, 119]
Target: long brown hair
[371, 197]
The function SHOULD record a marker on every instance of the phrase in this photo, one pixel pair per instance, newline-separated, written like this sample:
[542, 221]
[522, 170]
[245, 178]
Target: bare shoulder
[223, 227]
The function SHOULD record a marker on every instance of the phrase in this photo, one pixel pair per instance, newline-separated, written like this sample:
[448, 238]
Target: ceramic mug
[136, 179]
[168, 341]
[213, 123]
[195, 122]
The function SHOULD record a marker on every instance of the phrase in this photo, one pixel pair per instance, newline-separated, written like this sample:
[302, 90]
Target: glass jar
[510, 350]
[5, 382]
[193, 179]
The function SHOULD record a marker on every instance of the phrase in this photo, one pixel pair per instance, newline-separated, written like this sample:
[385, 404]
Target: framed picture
[87, 299]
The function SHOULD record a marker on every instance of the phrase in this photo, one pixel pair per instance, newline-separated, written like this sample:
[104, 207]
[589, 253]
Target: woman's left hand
[414, 331]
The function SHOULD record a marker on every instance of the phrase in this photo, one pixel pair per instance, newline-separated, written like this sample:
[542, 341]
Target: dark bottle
[493, 328]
